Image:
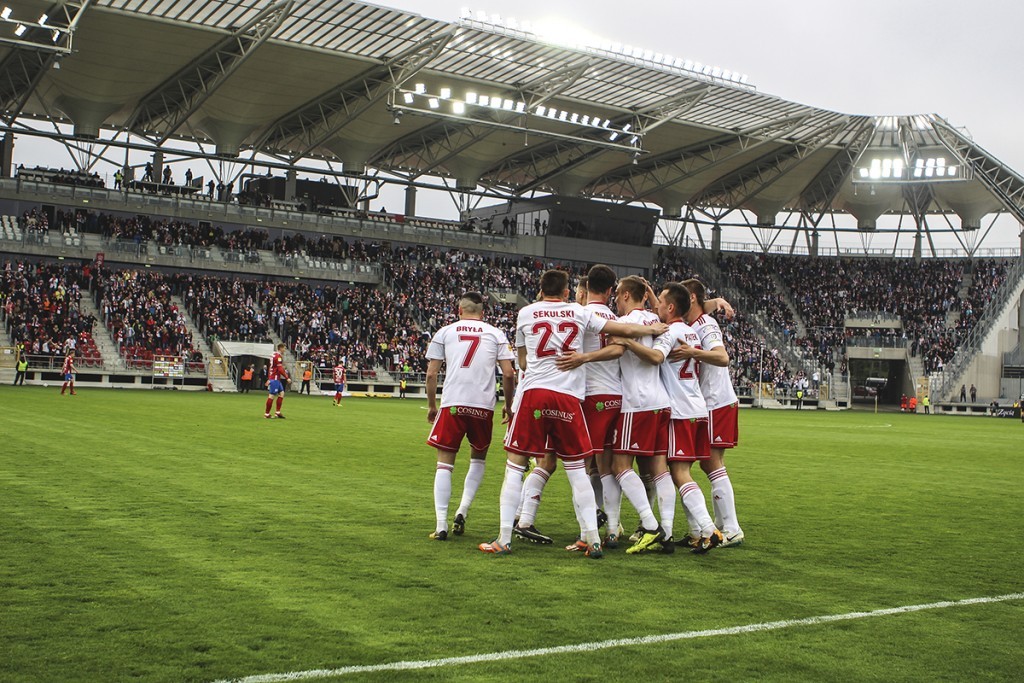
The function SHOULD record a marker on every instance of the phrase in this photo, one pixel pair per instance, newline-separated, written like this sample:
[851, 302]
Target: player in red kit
[339, 381]
[68, 370]
[276, 379]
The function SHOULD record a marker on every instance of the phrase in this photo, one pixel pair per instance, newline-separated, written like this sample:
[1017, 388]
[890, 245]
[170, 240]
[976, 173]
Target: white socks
[723, 501]
[583, 499]
[474, 476]
[533, 490]
[697, 515]
[633, 487]
[442, 492]
[612, 501]
[666, 491]
[508, 501]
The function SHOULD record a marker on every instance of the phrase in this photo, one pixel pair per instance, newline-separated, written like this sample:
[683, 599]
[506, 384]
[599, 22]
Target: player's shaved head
[600, 279]
[554, 282]
[472, 303]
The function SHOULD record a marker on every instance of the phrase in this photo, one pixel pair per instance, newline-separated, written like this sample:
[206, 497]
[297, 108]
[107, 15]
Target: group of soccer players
[599, 393]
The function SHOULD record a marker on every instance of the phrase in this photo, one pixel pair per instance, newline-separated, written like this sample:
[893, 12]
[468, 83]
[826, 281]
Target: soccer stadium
[242, 243]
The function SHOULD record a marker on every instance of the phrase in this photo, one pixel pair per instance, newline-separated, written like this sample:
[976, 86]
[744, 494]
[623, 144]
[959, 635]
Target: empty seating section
[42, 310]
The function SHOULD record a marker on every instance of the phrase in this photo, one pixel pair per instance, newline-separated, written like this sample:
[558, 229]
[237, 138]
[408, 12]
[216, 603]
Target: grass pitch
[167, 536]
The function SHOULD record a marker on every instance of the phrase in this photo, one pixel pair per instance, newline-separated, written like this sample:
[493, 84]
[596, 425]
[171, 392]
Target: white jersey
[470, 349]
[715, 383]
[681, 377]
[549, 329]
[602, 376]
[642, 389]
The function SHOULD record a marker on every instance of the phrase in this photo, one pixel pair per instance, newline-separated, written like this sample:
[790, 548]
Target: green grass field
[167, 536]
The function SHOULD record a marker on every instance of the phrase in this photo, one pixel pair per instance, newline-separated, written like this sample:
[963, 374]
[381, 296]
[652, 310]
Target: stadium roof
[483, 104]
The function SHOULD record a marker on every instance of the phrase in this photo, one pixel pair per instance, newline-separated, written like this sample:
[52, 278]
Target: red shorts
[643, 433]
[455, 422]
[549, 422]
[688, 440]
[602, 413]
[723, 426]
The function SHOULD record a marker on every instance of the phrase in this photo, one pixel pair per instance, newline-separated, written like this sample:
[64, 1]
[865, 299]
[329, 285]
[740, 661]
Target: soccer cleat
[459, 525]
[530, 533]
[732, 540]
[267, 415]
[611, 541]
[441, 535]
[637, 534]
[647, 540]
[602, 518]
[594, 551]
[706, 543]
[577, 546]
[687, 541]
[279, 416]
[495, 548]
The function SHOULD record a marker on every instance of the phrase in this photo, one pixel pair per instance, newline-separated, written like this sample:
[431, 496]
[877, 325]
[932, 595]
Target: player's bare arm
[508, 385]
[719, 304]
[572, 360]
[717, 356]
[644, 353]
[633, 330]
[433, 370]
[521, 352]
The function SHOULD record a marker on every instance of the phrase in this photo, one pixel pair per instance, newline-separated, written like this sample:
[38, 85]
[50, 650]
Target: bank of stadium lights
[21, 26]
[471, 98]
[894, 169]
[573, 37]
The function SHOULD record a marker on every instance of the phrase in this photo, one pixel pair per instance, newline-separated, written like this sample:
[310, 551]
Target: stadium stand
[42, 310]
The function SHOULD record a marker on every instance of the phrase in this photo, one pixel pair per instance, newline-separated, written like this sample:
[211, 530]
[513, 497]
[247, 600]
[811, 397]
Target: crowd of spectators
[41, 305]
[142, 319]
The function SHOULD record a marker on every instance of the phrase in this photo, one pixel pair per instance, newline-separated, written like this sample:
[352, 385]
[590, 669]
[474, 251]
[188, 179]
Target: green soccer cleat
[594, 551]
[647, 540]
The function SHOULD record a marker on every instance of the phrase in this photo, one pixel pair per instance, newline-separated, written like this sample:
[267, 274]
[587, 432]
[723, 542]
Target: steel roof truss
[320, 119]
[169, 105]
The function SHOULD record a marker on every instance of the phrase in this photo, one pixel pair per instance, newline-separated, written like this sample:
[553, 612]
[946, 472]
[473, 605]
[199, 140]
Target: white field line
[314, 674]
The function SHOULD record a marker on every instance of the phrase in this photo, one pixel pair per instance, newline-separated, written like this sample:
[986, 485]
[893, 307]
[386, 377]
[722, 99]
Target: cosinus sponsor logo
[557, 415]
[474, 412]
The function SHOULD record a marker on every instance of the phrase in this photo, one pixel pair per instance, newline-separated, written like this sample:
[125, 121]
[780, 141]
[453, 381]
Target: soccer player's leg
[571, 441]
[533, 490]
[722, 435]
[478, 432]
[442, 493]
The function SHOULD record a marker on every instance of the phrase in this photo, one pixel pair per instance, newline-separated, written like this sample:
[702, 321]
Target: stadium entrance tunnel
[886, 380]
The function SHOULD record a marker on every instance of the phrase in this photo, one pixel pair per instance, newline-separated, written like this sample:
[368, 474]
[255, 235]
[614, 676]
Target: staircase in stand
[105, 343]
[198, 340]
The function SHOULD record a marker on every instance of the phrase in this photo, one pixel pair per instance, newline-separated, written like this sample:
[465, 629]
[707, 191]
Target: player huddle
[599, 392]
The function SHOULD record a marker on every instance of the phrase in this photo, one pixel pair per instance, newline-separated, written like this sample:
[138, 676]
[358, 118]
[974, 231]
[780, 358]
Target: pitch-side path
[314, 674]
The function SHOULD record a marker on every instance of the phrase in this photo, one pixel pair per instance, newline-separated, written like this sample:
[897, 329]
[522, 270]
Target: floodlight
[420, 88]
[563, 115]
[585, 120]
[20, 30]
[552, 113]
[5, 13]
[470, 97]
[613, 136]
[408, 97]
[539, 111]
[625, 128]
[520, 107]
[459, 107]
[863, 173]
[574, 118]
[495, 102]
[434, 103]
[43, 19]
[484, 101]
[508, 105]
[446, 93]
[951, 171]
[56, 35]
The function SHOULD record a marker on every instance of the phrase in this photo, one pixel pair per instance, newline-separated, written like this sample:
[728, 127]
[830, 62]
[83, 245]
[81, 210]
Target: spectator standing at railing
[307, 378]
[974, 394]
[963, 393]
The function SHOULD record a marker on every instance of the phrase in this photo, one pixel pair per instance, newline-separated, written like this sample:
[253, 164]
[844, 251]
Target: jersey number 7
[474, 344]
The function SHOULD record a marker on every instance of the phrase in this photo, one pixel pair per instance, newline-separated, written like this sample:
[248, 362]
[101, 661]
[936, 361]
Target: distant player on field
[339, 381]
[276, 379]
[69, 370]
[469, 349]
[549, 416]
